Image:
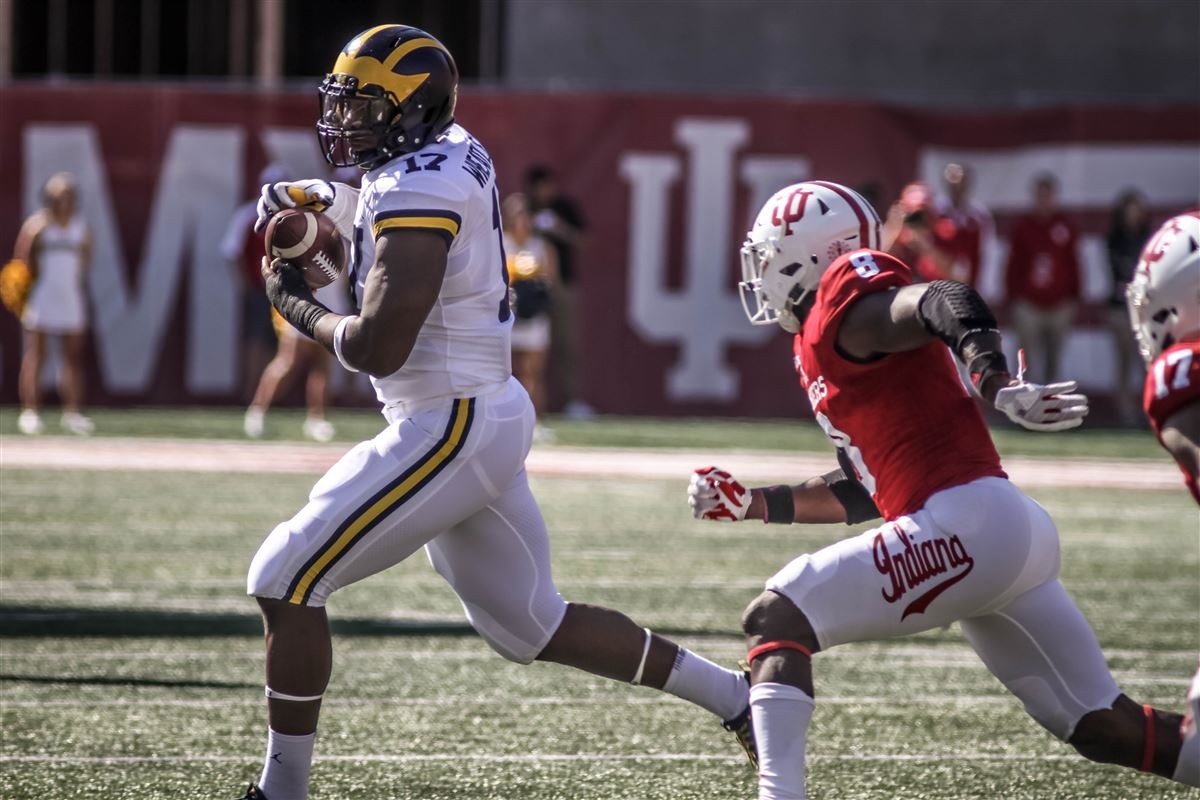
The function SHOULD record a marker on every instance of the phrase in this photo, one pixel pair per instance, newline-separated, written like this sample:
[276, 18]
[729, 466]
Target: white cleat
[252, 424]
[29, 423]
[78, 424]
[319, 430]
[579, 410]
[1187, 771]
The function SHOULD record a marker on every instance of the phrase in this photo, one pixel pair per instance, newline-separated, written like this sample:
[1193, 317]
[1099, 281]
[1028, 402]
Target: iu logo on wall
[704, 317]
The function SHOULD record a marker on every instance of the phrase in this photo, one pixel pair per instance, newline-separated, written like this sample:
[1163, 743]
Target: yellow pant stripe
[412, 480]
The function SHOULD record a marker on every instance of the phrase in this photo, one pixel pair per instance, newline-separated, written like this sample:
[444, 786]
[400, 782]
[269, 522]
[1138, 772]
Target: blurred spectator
[55, 244]
[909, 233]
[243, 248]
[1042, 280]
[1127, 235]
[532, 272]
[559, 219]
[963, 228]
[295, 350]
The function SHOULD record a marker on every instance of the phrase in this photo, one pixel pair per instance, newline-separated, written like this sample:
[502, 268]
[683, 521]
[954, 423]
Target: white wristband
[339, 333]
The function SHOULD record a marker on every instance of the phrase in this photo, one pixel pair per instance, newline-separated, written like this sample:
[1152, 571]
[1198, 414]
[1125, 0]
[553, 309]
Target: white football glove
[1054, 407]
[714, 494]
[314, 193]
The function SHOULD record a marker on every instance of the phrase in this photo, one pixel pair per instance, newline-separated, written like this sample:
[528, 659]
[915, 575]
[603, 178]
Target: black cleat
[742, 729]
[253, 793]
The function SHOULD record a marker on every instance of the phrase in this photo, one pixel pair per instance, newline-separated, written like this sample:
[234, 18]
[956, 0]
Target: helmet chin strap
[792, 317]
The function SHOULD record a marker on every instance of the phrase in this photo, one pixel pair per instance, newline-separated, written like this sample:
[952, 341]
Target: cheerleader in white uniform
[56, 244]
[532, 272]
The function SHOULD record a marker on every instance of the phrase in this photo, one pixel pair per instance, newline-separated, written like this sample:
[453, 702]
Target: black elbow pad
[853, 496]
[951, 311]
[956, 314]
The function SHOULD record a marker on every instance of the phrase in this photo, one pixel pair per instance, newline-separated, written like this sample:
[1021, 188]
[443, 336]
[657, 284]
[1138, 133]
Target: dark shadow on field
[35, 621]
[58, 621]
[104, 680]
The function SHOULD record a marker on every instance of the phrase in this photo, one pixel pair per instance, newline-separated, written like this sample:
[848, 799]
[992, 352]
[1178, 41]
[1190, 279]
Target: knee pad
[264, 576]
[1042, 703]
[519, 640]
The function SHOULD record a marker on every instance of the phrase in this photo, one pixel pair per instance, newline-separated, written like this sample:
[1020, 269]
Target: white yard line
[167, 455]
[529, 758]
[255, 699]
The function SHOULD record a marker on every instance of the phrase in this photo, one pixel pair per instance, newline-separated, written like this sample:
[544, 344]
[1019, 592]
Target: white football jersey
[449, 188]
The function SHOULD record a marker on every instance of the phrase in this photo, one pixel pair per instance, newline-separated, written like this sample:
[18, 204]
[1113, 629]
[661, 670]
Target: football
[309, 241]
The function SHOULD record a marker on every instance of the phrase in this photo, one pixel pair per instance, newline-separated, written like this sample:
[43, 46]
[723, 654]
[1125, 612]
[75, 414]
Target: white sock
[722, 691]
[1187, 770]
[780, 714]
[285, 773]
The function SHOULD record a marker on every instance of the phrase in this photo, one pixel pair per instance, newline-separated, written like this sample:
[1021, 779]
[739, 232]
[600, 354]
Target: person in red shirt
[1164, 308]
[875, 354]
[1042, 278]
[963, 227]
[940, 239]
[911, 234]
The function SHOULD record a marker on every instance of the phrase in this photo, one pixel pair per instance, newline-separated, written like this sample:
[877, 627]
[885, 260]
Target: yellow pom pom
[16, 282]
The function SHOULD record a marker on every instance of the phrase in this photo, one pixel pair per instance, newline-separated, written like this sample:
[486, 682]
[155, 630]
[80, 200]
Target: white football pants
[981, 554]
[451, 479]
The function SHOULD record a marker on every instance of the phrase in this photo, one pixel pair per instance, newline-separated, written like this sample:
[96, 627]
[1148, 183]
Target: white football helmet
[798, 233]
[1164, 295]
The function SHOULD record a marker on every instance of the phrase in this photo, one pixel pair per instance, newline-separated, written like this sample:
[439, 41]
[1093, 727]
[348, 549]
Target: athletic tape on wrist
[637, 676]
[770, 647]
[274, 695]
[339, 333]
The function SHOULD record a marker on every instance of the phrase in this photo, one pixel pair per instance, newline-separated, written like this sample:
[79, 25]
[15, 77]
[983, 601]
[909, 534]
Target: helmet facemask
[772, 294]
[355, 122]
[1135, 298]
[1151, 328]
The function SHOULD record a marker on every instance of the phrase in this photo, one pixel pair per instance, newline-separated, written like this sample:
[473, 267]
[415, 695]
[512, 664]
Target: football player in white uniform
[447, 474]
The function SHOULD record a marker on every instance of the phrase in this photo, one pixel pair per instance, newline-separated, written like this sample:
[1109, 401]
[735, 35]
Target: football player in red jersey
[960, 543]
[1164, 307]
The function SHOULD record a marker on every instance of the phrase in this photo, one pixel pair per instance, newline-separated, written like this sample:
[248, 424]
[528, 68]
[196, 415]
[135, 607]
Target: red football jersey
[904, 422]
[1173, 382]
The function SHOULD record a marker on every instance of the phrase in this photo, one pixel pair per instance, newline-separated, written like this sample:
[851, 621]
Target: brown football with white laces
[309, 241]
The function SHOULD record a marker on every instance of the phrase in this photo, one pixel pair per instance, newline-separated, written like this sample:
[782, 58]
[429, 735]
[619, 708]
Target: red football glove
[714, 494]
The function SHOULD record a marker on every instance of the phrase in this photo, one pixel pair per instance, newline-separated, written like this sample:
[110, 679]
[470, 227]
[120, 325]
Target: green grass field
[131, 661]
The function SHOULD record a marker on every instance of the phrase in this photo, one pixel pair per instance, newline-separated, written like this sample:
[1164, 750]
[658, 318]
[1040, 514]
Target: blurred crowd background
[1026, 148]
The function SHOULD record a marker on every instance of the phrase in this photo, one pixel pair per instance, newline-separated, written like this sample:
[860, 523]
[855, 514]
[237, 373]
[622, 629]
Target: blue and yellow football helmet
[392, 90]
